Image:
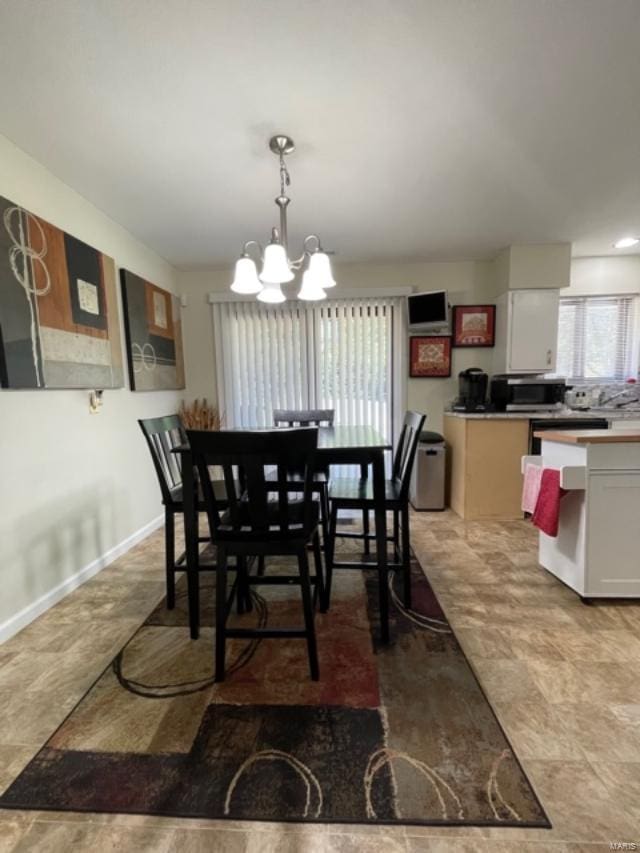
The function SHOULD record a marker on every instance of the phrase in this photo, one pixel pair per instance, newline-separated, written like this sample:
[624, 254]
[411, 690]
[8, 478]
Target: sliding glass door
[345, 354]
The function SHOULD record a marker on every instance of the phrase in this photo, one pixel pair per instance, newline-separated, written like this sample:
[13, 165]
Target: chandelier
[277, 267]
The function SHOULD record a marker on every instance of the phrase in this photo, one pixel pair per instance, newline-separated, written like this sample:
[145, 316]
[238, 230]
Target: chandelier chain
[285, 178]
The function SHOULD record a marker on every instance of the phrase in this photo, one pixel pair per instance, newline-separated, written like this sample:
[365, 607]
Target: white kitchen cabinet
[526, 331]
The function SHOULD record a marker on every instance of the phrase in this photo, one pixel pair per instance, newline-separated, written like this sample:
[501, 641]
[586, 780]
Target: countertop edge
[590, 436]
[545, 416]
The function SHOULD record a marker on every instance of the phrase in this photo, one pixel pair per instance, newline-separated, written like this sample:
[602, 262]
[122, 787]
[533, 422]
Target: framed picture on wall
[59, 324]
[474, 325]
[430, 357]
[153, 333]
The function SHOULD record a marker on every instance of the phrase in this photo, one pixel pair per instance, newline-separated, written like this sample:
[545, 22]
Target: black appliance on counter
[472, 391]
[532, 393]
[560, 424]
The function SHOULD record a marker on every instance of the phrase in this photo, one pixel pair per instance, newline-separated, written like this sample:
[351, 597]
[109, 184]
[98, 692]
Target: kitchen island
[484, 479]
[597, 550]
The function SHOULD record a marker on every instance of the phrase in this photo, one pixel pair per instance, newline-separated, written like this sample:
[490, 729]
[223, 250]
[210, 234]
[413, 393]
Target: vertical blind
[596, 337]
[337, 355]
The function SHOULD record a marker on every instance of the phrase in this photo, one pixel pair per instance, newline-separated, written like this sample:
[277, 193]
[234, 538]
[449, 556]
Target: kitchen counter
[484, 481]
[591, 436]
[606, 414]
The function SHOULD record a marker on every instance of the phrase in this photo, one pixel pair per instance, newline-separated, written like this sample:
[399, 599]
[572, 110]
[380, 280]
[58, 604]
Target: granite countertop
[609, 415]
[591, 436]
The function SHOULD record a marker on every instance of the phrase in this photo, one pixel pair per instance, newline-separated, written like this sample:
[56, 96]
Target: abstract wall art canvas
[59, 323]
[154, 335]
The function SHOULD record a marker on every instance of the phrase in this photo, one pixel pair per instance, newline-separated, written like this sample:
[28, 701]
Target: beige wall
[593, 276]
[72, 485]
[466, 282]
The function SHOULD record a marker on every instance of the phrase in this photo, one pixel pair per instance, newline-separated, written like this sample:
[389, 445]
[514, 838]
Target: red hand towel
[547, 511]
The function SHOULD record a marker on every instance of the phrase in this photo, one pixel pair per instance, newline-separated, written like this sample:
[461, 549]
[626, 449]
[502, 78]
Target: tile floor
[563, 677]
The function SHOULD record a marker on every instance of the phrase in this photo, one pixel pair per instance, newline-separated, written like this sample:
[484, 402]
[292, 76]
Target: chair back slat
[406, 450]
[162, 434]
[232, 495]
[303, 417]
[253, 455]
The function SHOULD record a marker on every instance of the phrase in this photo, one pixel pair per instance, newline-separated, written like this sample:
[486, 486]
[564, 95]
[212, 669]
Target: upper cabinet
[530, 279]
[526, 332]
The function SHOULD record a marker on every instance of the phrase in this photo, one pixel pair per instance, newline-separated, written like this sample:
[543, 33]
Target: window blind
[596, 338]
[344, 354]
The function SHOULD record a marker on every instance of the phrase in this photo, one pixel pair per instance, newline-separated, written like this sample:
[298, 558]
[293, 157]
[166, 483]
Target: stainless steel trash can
[428, 475]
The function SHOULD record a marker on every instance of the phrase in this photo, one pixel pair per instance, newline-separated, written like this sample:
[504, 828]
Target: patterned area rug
[392, 734]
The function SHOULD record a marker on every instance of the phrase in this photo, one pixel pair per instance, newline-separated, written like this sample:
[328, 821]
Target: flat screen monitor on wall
[428, 312]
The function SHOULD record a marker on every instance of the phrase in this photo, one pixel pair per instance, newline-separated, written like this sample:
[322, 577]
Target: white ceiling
[426, 129]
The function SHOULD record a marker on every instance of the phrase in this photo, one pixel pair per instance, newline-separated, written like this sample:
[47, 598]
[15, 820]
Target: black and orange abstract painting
[59, 323]
[154, 335]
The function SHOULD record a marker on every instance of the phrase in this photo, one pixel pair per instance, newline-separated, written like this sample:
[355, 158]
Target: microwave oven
[527, 393]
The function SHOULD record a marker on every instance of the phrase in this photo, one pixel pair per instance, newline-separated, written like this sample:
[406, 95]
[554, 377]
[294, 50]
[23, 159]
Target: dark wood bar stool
[303, 417]
[358, 494]
[320, 417]
[163, 434]
[255, 525]
[320, 486]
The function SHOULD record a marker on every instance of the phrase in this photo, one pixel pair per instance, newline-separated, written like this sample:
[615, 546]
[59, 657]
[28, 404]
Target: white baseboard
[21, 619]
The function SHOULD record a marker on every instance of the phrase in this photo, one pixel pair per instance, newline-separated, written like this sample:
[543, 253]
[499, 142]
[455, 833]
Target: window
[597, 338]
[337, 355]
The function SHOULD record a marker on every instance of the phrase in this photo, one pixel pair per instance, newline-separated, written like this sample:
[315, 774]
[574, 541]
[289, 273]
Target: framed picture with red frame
[430, 357]
[474, 325]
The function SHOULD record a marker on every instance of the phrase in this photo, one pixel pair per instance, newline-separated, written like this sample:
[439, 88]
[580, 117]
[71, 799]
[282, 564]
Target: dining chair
[320, 485]
[163, 434]
[255, 524]
[352, 493]
[303, 417]
[320, 417]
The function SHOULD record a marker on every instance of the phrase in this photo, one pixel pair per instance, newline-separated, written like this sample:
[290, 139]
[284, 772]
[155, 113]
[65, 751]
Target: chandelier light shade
[246, 279]
[272, 293]
[320, 268]
[277, 267]
[310, 290]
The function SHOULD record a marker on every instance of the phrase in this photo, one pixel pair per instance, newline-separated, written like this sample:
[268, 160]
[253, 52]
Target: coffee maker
[472, 391]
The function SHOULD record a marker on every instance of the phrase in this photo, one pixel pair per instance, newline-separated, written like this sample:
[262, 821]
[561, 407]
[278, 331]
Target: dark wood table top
[351, 438]
[341, 438]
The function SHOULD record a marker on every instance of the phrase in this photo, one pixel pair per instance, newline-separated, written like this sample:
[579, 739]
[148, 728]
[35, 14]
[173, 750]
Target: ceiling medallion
[277, 267]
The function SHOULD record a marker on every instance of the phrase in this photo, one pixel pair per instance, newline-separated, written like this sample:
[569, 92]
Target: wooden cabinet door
[533, 331]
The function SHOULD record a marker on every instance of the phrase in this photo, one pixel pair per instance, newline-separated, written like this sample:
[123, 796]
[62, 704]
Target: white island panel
[597, 550]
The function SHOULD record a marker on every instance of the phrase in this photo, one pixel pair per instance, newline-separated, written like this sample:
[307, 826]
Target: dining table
[360, 445]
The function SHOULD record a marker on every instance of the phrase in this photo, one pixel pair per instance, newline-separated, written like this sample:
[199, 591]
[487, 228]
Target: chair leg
[365, 528]
[319, 590]
[324, 503]
[396, 536]
[305, 586]
[406, 558]
[261, 566]
[221, 612]
[329, 556]
[170, 556]
[383, 575]
[364, 473]
[248, 603]
[243, 600]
